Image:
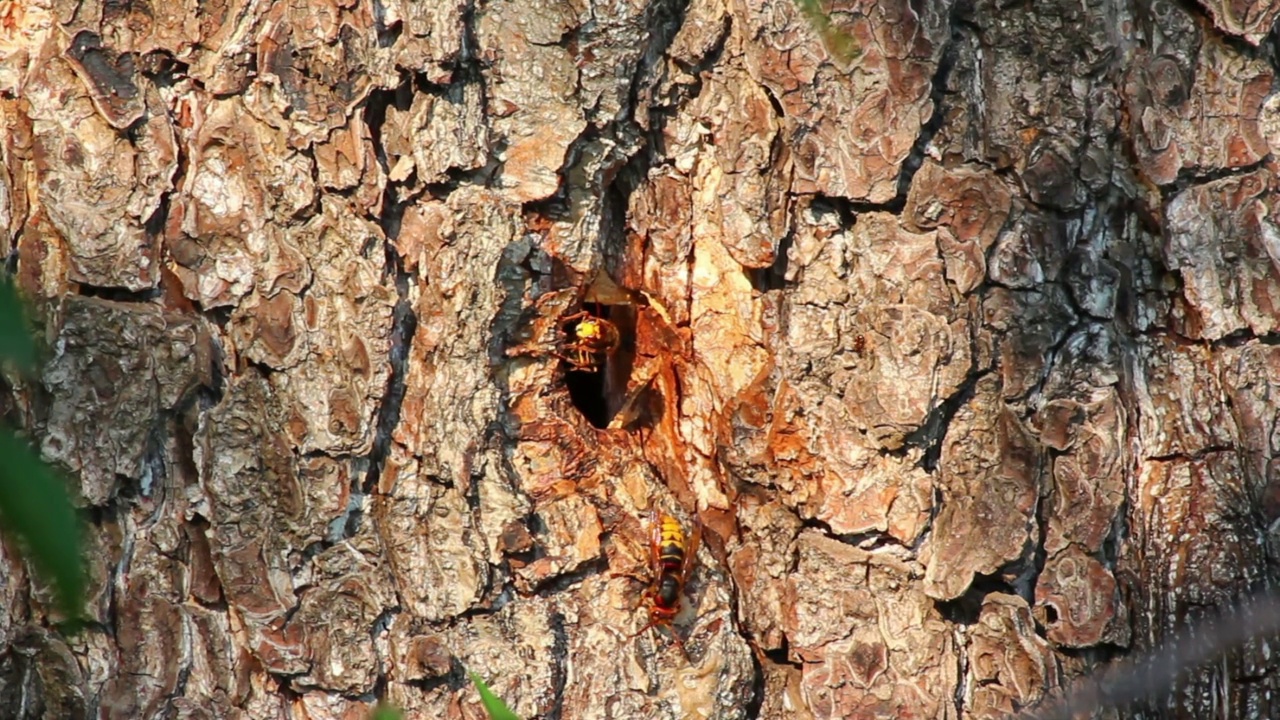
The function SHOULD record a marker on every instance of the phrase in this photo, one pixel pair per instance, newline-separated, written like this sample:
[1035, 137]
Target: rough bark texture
[952, 323]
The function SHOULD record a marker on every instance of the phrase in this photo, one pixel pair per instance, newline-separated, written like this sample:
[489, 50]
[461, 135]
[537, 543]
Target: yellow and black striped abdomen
[671, 545]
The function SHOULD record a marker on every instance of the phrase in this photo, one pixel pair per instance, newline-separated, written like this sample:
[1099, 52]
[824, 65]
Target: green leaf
[35, 509]
[16, 345]
[498, 710]
[386, 712]
[838, 41]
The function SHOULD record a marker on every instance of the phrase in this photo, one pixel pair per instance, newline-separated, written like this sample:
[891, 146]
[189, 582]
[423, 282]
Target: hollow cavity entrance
[599, 394]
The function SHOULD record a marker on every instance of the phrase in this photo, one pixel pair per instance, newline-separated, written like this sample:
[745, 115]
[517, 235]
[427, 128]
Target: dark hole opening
[598, 395]
[586, 389]
[1050, 614]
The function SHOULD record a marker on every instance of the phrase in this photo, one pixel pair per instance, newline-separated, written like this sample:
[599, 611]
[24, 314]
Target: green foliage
[497, 709]
[34, 506]
[386, 712]
[840, 43]
[16, 345]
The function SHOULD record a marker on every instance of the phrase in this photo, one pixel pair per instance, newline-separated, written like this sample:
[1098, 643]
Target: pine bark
[951, 324]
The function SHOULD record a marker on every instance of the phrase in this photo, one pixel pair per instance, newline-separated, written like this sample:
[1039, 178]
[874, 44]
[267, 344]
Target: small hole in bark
[1050, 614]
[598, 395]
[586, 389]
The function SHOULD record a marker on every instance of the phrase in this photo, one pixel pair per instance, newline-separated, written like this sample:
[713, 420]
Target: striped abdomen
[671, 550]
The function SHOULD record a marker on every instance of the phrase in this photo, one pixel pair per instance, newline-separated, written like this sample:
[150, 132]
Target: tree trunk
[951, 326]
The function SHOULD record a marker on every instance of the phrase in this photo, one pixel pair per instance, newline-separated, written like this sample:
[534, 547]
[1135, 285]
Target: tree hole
[586, 389]
[1050, 614]
[599, 394]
